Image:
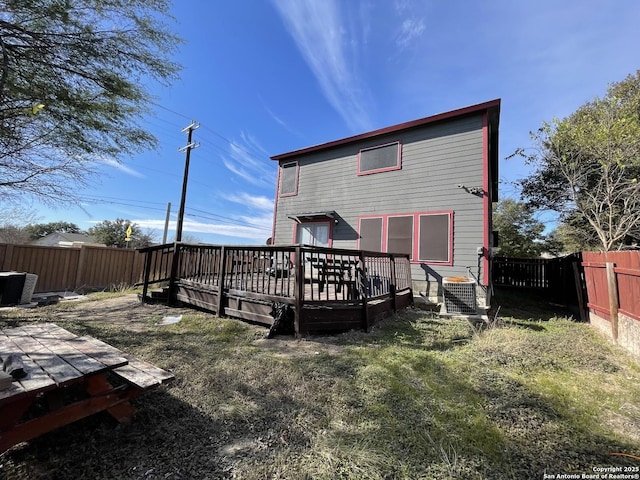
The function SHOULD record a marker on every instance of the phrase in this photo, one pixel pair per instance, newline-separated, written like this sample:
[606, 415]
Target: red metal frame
[398, 165]
[486, 200]
[416, 233]
[382, 236]
[281, 166]
[416, 250]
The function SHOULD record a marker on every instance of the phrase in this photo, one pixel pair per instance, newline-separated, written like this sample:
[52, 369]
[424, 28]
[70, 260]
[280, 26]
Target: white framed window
[313, 233]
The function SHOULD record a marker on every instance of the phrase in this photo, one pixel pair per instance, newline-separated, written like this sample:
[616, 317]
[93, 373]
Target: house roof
[76, 237]
[56, 237]
[492, 105]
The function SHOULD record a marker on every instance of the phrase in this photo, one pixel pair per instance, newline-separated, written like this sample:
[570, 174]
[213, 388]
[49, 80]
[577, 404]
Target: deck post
[394, 281]
[174, 272]
[362, 289]
[298, 292]
[222, 272]
[147, 272]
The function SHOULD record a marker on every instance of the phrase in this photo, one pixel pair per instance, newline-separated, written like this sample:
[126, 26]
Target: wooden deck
[329, 290]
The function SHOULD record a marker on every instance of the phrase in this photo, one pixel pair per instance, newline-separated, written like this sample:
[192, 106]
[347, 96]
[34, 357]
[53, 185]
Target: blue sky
[267, 77]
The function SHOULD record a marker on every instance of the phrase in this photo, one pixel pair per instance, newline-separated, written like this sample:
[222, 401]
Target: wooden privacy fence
[559, 279]
[64, 269]
[613, 289]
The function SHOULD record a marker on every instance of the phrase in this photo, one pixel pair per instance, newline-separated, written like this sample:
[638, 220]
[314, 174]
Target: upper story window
[381, 158]
[288, 179]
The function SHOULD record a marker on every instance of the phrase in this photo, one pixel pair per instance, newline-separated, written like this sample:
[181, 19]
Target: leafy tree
[72, 88]
[39, 230]
[572, 235]
[113, 234]
[520, 233]
[587, 166]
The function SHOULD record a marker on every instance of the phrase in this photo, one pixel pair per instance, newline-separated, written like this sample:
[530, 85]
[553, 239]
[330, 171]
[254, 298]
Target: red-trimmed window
[381, 158]
[400, 234]
[288, 179]
[435, 238]
[371, 234]
[426, 236]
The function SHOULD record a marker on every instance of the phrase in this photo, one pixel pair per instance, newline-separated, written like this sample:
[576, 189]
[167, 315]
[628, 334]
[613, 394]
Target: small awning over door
[312, 216]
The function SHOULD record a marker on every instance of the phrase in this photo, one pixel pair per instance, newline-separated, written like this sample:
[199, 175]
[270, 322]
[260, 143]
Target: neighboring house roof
[492, 108]
[59, 239]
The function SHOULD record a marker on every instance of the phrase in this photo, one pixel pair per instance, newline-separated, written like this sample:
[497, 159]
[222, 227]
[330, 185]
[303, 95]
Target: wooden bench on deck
[71, 377]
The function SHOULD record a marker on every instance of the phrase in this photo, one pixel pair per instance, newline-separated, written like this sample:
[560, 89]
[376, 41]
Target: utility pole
[166, 224]
[186, 148]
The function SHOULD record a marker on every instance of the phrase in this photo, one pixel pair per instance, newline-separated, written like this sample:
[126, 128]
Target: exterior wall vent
[459, 295]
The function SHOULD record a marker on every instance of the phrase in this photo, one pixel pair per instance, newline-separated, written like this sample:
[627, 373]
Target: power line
[217, 134]
[207, 215]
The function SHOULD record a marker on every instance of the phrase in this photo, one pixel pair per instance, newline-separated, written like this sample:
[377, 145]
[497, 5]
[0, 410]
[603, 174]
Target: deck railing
[244, 281]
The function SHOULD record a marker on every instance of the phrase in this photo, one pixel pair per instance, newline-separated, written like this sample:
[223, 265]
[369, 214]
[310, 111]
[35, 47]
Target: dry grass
[418, 397]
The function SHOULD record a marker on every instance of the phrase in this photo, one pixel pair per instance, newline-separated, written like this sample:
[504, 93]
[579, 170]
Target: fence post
[222, 271]
[8, 255]
[81, 267]
[582, 304]
[613, 298]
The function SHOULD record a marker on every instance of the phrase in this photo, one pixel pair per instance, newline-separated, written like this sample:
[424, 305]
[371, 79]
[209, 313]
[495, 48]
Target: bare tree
[587, 166]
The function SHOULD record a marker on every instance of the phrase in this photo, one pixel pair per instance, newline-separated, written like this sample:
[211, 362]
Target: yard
[418, 397]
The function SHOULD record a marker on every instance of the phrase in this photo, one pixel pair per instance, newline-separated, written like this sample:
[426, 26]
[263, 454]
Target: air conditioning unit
[459, 295]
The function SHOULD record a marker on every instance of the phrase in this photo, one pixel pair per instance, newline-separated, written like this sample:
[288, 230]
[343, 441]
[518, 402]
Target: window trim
[320, 220]
[297, 174]
[382, 233]
[413, 230]
[416, 251]
[416, 233]
[398, 165]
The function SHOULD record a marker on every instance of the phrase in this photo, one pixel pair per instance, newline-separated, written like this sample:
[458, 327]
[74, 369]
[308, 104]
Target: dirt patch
[125, 310]
[291, 347]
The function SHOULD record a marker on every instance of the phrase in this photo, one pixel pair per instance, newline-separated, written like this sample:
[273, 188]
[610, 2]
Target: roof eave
[480, 107]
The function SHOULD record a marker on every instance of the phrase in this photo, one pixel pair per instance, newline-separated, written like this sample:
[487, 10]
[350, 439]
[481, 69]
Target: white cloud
[318, 29]
[259, 202]
[277, 119]
[411, 29]
[250, 161]
[122, 167]
[258, 233]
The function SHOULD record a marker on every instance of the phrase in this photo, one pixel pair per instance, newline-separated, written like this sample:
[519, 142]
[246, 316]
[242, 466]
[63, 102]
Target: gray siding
[435, 159]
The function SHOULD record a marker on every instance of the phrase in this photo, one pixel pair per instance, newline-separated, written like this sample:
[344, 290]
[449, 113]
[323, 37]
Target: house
[60, 239]
[424, 188]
